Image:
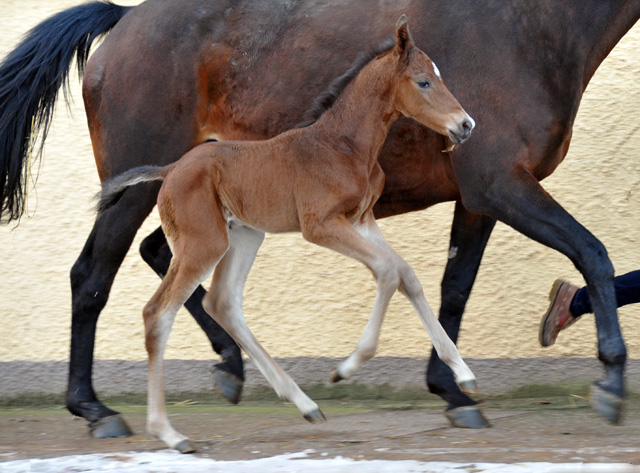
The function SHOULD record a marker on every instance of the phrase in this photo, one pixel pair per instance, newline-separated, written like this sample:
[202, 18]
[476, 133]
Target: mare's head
[421, 93]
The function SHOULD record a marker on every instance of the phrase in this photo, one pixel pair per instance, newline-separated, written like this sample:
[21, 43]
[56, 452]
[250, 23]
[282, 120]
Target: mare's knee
[595, 264]
[89, 297]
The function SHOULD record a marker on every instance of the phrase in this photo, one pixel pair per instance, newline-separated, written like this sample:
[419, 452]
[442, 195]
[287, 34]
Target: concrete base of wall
[112, 378]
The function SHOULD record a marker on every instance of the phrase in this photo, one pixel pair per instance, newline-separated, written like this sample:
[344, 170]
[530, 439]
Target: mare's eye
[424, 84]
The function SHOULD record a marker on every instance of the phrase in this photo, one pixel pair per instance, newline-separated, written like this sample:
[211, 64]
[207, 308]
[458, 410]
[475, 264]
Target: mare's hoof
[112, 426]
[608, 405]
[469, 387]
[335, 377]
[228, 386]
[185, 447]
[315, 417]
[467, 417]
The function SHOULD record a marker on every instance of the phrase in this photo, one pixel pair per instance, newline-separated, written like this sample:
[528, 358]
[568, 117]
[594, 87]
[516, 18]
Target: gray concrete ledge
[113, 377]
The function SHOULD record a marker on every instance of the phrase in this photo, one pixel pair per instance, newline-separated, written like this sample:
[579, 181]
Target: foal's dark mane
[326, 99]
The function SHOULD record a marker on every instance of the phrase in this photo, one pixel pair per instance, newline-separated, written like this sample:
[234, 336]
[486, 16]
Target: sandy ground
[550, 429]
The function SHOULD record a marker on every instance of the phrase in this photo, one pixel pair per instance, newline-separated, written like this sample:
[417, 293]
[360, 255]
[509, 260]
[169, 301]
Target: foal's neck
[363, 113]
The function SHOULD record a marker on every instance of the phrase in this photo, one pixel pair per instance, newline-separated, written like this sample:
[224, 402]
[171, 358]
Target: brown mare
[173, 74]
[218, 200]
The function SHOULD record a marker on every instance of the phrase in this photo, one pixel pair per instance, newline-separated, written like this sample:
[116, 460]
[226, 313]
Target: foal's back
[260, 183]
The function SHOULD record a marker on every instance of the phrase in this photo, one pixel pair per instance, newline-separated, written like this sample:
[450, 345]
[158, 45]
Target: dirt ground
[552, 429]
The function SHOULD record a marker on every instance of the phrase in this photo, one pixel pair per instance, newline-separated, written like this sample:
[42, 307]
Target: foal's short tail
[112, 189]
[30, 78]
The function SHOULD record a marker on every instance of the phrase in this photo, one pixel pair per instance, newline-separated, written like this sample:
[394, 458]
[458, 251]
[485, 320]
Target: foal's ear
[404, 41]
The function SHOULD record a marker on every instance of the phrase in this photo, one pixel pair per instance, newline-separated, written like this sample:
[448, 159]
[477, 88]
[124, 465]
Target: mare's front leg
[517, 199]
[228, 376]
[469, 235]
[91, 279]
[224, 303]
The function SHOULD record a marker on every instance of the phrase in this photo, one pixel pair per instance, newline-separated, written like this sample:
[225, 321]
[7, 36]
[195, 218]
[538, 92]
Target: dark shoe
[558, 317]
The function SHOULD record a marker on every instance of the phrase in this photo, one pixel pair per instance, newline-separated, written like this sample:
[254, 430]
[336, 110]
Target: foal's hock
[218, 200]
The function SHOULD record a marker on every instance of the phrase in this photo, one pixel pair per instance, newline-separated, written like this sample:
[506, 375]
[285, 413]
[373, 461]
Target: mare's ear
[404, 41]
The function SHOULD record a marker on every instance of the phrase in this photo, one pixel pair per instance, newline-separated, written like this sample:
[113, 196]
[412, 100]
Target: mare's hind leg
[228, 377]
[91, 279]
[469, 235]
[410, 286]
[224, 303]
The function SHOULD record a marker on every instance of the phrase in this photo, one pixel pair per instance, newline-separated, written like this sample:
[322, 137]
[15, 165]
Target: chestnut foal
[219, 199]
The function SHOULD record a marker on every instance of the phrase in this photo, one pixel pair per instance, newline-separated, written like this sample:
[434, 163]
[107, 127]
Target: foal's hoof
[469, 387]
[606, 404]
[467, 417]
[112, 426]
[185, 447]
[335, 376]
[228, 386]
[315, 417]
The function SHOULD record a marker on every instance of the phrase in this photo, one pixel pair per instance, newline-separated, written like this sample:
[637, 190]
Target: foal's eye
[424, 84]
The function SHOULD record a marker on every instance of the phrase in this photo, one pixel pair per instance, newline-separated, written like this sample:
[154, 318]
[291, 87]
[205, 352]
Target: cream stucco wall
[306, 301]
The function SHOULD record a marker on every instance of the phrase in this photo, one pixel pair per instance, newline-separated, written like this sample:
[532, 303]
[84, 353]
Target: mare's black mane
[326, 99]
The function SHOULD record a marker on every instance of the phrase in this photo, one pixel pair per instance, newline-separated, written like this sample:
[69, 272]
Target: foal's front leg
[384, 256]
[224, 303]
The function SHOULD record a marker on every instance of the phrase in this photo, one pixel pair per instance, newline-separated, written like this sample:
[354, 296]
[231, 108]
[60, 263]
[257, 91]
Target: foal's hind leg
[224, 303]
[91, 279]
[199, 247]
[183, 276]
[228, 377]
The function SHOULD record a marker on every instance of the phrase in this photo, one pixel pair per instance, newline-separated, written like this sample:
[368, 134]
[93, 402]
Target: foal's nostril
[466, 127]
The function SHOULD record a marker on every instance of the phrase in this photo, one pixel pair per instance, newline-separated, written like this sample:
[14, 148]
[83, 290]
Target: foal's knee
[387, 276]
[150, 317]
[216, 304]
[409, 284]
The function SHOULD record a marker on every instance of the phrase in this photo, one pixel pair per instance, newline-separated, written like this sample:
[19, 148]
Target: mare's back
[260, 64]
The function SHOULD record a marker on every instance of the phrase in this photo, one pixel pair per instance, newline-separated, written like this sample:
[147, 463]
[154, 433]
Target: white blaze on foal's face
[436, 71]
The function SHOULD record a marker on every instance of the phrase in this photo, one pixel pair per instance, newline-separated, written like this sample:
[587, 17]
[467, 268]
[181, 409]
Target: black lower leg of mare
[469, 236]
[155, 251]
[81, 398]
[91, 279]
[522, 204]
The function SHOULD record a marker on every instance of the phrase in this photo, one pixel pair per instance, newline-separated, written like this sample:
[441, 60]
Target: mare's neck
[576, 35]
[610, 21]
[360, 119]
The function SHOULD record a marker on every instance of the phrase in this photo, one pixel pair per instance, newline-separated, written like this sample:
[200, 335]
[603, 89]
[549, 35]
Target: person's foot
[558, 317]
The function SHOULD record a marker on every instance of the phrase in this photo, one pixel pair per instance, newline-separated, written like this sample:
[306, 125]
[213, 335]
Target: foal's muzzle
[463, 132]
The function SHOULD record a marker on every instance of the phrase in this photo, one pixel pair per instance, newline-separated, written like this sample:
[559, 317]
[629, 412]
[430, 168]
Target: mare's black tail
[30, 78]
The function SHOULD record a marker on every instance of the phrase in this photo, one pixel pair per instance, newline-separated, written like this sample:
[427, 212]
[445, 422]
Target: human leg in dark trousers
[569, 302]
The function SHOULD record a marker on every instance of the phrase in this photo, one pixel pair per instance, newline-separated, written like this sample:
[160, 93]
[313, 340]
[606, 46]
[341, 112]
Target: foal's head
[421, 93]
